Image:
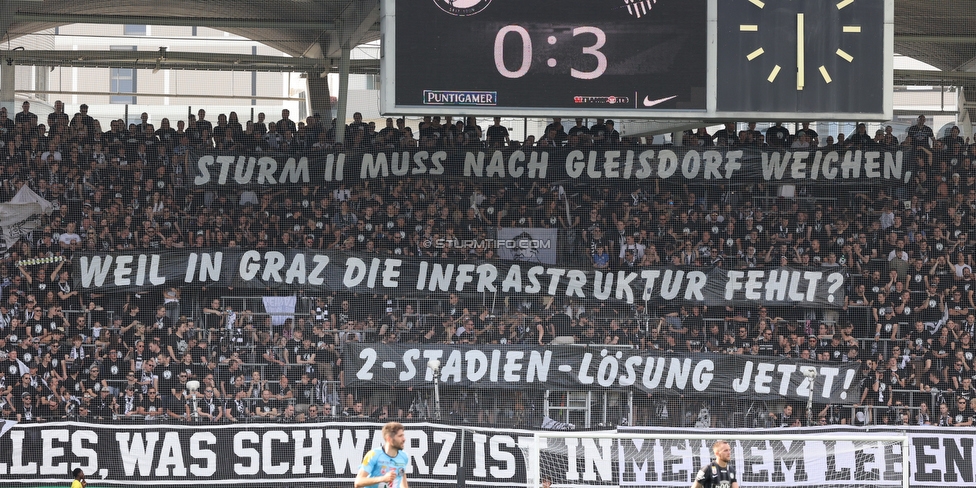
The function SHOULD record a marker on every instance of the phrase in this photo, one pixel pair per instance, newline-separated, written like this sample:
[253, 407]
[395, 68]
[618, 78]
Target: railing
[576, 408]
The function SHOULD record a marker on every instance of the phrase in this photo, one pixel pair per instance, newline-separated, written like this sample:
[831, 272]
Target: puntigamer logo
[462, 8]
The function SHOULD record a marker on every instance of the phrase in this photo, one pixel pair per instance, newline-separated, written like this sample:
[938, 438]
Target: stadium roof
[937, 32]
[313, 32]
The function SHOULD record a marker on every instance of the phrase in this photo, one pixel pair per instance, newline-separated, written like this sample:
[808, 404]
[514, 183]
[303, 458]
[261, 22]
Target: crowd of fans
[908, 319]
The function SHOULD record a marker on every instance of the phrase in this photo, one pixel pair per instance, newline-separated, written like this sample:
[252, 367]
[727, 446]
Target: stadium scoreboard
[660, 59]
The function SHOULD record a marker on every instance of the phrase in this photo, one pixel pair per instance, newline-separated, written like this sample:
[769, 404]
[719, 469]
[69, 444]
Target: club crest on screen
[462, 8]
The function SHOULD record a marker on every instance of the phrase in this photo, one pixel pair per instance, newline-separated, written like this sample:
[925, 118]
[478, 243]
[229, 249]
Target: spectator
[962, 415]
[497, 134]
[906, 247]
[778, 136]
[784, 418]
[920, 135]
[25, 118]
[266, 407]
[600, 257]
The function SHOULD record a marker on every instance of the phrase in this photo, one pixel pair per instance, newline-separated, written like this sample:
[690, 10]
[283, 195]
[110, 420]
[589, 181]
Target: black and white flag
[21, 215]
[6, 425]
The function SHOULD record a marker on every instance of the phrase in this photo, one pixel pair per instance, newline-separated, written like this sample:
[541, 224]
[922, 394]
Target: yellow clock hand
[799, 52]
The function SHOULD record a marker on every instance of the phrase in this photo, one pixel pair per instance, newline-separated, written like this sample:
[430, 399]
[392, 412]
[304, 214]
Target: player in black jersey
[718, 474]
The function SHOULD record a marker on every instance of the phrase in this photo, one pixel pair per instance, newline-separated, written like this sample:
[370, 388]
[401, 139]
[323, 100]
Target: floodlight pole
[437, 397]
[435, 366]
[195, 414]
[811, 376]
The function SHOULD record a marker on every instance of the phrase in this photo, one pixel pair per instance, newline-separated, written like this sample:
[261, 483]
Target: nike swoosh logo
[650, 103]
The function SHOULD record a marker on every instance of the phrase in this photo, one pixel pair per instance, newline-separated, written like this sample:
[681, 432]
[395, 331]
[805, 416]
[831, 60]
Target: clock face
[806, 56]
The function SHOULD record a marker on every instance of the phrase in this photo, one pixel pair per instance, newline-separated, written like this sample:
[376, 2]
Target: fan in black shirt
[236, 409]
[104, 406]
[266, 407]
[129, 402]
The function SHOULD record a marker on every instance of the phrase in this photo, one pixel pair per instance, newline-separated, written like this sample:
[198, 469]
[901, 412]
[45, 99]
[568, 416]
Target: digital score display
[701, 60]
[517, 57]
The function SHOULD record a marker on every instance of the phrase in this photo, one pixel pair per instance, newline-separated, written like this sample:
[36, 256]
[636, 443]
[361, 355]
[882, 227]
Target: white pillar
[7, 73]
[343, 94]
[677, 137]
[7, 79]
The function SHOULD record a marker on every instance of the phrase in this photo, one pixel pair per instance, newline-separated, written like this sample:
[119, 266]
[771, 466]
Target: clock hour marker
[852, 28]
[825, 74]
[552, 40]
[748, 28]
[844, 3]
[755, 54]
[773, 73]
[845, 56]
[757, 3]
[552, 62]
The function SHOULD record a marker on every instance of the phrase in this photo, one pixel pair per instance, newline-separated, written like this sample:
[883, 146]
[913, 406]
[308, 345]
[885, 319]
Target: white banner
[286, 454]
[937, 457]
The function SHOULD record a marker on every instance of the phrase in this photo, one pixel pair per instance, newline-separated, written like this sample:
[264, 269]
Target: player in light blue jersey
[386, 466]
